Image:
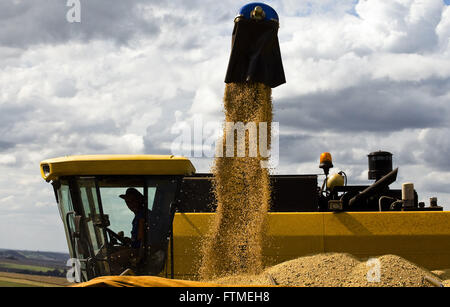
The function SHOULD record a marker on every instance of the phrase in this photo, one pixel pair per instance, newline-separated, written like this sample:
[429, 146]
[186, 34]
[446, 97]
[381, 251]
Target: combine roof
[52, 169]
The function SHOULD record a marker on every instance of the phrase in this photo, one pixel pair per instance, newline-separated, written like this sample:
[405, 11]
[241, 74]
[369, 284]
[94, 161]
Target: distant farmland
[24, 280]
[31, 268]
[11, 266]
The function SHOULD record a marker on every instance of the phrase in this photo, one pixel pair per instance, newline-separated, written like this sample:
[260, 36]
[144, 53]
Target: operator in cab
[143, 253]
[131, 255]
[136, 203]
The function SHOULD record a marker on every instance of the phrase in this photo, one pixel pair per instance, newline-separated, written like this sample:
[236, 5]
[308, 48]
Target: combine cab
[90, 194]
[304, 218]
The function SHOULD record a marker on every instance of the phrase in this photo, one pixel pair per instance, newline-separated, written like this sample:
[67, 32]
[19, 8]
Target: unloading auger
[255, 50]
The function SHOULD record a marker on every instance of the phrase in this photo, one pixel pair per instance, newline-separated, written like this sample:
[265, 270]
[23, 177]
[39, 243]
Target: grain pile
[242, 189]
[444, 275]
[339, 270]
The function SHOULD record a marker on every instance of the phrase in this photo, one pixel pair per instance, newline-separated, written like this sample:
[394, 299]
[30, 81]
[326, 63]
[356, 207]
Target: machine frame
[295, 225]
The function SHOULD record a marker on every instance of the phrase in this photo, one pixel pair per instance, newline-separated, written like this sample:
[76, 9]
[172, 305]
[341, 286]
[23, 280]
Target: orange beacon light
[326, 162]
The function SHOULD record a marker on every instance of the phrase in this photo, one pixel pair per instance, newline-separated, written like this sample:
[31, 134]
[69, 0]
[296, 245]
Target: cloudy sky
[361, 76]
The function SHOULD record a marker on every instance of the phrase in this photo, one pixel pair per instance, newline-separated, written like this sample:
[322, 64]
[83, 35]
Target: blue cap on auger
[258, 11]
[255, 50]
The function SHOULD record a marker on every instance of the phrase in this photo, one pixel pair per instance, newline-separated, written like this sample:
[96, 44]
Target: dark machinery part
[380, 164]
[375, 188]
[301, 193]
[378, 196]
[255, 50]
[296, 193]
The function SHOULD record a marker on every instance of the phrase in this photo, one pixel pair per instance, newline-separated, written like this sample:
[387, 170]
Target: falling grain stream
[242, 189]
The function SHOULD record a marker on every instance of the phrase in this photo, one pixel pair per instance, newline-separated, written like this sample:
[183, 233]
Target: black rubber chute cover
[255, 53]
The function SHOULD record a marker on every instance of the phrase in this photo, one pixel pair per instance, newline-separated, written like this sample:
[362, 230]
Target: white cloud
[7, 199]
[401, 25]
[7, 159]
[409, 67]
[41, 204]
[443, 30]
[206, 102]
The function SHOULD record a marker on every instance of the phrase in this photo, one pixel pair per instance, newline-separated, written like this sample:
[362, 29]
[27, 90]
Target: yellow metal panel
[115, 165]
[292, 234]
[189, 229]
[288, 235]
[420, 237]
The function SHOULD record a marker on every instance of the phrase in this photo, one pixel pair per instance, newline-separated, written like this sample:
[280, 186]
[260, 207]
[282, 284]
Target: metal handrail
[70, 231]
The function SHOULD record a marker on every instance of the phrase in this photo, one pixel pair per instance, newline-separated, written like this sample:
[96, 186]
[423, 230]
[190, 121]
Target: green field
[34, 268]
[25, 280]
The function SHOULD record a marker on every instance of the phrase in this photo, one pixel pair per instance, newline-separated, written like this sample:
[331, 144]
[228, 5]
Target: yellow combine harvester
[304, 218]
